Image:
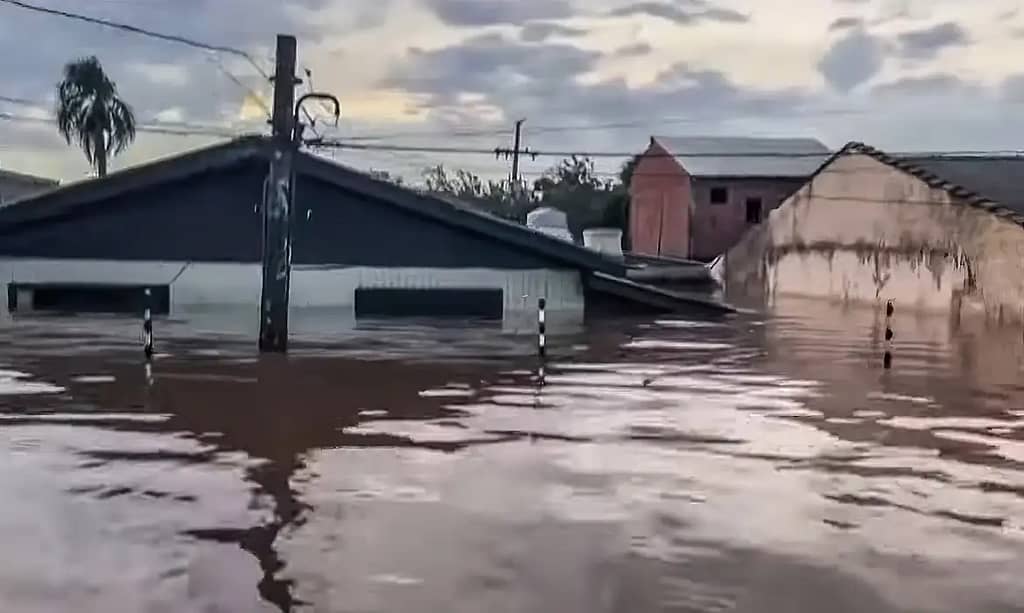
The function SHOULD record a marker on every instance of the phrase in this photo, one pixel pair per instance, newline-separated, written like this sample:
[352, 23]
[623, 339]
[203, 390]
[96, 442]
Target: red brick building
[695, 197]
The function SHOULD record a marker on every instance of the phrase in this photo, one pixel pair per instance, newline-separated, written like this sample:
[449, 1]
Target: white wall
[864, 232]
[197, 286]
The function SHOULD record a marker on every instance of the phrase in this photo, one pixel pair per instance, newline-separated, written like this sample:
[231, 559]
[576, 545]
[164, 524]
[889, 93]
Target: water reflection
[741, 465]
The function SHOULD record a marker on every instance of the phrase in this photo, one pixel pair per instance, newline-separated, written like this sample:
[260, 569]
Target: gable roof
[746, 157]
[992, 183]
[84, 195]
[25, 179]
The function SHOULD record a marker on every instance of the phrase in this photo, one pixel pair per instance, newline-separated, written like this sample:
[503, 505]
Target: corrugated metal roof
[999, 179]
[746, 157]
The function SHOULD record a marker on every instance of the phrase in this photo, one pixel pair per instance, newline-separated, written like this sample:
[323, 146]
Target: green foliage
[90, 113]
[572, 186]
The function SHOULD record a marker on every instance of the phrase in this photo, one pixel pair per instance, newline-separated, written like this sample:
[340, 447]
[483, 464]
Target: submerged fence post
[889, 335]
[541, 329]
[147, 326]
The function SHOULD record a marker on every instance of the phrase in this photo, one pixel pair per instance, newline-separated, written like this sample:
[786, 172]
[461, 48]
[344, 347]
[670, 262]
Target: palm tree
[90, 113]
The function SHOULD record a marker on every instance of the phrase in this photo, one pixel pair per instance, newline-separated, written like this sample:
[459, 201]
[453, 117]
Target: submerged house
[190, 227]
[16, 186]
[936, 234]
[695, 197]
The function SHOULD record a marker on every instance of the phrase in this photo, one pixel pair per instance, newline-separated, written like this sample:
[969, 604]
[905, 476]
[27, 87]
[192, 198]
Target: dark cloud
[31, 70]
[930, 86]
[544, 81]
[490, 63]
[846, 23]
[540, 31]
[928, 42]
[852, 60]
[493, 12]
[696, 12]
[634, 50]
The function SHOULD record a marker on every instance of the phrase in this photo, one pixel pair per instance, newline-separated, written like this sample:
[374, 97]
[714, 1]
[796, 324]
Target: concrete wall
[660, 205]
[863, 232]
[717, 227]
[195, 286]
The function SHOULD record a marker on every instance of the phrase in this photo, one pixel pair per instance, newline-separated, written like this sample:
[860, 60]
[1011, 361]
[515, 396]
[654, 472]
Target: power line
[141, 31]
[967, 154]
[148, 128]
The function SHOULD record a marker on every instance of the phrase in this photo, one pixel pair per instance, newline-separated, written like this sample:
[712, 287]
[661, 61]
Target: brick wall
[717, 227]
[660, 205]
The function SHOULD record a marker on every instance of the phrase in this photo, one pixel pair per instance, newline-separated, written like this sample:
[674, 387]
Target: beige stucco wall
[864, 232]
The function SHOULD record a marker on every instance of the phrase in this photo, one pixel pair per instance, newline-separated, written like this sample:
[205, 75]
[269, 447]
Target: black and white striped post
[889, 335]
[541, 329]
[147, 326]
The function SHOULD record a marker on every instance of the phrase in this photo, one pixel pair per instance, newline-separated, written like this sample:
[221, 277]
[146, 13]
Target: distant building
[15, 186]
[189, 228]
[933, 234]
[688, 202]
[550, 221]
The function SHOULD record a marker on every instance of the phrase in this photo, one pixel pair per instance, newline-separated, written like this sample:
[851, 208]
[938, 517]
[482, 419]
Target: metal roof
[19, 177]
[746, 157]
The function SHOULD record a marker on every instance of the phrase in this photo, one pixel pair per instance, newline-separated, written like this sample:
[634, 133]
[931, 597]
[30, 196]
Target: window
[753, 210]
[88, 298]
[719, 195]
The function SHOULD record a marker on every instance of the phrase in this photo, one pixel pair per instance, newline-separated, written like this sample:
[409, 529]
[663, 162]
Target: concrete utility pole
[277, 205]
[515, 152]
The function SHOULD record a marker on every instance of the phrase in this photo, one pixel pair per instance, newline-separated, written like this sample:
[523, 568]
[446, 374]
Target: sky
[586, 75]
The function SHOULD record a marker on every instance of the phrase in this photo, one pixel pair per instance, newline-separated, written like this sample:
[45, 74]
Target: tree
[498, 198]
[90, 112]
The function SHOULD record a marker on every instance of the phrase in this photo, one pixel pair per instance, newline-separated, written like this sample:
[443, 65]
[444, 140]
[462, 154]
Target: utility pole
[515, 152]
[277, 204]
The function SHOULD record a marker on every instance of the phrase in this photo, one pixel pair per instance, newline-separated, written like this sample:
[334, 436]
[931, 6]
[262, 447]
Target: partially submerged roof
[739, 157]
[26, 179]
[993, 183]
[84, 195]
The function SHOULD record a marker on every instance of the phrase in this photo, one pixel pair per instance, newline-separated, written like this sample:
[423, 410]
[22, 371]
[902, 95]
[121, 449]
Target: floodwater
[756, 464]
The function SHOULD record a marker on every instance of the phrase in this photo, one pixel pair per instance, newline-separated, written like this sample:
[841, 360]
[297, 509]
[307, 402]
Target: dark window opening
[446, 302]
[719, 195]
[88, 298]
[754, 210]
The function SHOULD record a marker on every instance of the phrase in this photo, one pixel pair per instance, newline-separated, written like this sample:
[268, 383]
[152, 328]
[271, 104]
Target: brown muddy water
[756, 464]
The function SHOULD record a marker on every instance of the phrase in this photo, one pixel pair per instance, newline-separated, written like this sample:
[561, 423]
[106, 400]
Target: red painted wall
[661, 203]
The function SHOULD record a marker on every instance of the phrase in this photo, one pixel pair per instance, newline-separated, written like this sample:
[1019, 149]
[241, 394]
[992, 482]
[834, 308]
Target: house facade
[16, 186]
[695, 197]
[189, 229]
[941, 235]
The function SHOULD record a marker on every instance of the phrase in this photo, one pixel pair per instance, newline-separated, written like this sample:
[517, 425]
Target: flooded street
[753, 464]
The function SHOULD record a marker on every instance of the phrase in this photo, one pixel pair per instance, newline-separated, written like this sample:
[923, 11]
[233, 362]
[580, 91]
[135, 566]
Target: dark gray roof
[19, 177]
[990, 183]
[94, 192]
[746, 157]
[1000, 179]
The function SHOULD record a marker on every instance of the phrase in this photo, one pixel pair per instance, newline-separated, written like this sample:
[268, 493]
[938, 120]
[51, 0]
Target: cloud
[540, 31]
[846, 23]
[547, 81]
[1012, 89]
[679, 15]
[494, 12]
[852, 60]
[634, 50]
[928, 42]
[931, 86]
